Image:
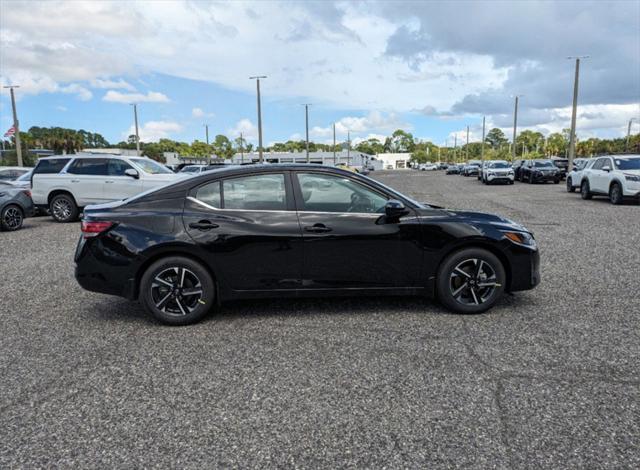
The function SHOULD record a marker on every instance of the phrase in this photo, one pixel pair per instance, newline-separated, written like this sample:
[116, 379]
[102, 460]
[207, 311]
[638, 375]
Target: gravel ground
[547, 379]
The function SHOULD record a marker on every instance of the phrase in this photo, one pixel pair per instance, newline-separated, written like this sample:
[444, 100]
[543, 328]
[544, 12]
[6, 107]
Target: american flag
[10, 131]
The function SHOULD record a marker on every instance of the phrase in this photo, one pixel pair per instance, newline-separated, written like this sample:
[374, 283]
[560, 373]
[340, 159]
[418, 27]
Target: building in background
[394, 161]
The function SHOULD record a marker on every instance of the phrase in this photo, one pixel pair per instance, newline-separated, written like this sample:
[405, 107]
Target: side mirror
[606, 168]
[394, 209]
[132, 173]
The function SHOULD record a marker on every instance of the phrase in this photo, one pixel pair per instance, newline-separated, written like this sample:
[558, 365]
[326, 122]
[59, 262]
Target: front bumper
[525, 269]
[543, 178]
[500, 178]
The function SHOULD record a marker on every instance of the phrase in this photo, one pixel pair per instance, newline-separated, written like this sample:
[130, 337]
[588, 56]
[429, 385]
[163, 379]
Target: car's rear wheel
[63, 208]
[470, 281]
[11, 218]
[585, 191]
[570, 187]
[177, 290]
[615, 194]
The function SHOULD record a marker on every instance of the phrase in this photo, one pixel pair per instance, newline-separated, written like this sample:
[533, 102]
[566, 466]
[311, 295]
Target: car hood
[478, 218]
[631, 172]
[161, 177]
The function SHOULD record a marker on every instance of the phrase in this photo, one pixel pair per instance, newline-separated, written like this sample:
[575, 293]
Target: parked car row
[615, 176]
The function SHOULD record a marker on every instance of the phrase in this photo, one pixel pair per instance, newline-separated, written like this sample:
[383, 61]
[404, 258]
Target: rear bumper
[103, 275]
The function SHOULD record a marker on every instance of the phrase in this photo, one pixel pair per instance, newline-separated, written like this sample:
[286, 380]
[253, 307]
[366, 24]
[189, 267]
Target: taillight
[27, 192]
[91, 228]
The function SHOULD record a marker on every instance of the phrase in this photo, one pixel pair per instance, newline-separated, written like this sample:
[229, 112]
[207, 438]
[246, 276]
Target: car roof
[91, 155]
[25, 168]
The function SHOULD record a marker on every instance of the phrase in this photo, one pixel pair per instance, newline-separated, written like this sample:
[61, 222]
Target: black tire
[470, 300]
[511, 182]
[530, 179]
[615, 194]
[63, 208]
[11, 218]
[585, 192]
[570, 188]
[163, 287]
[556, 180]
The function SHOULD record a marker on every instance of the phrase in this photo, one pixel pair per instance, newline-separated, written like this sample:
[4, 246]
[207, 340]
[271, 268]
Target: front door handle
[75, 181]
[203, 225]
[317, 228]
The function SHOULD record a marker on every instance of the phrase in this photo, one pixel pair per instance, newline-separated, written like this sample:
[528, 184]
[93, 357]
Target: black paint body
[254, 254]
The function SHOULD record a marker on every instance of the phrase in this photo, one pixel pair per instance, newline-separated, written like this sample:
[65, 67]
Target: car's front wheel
[615, 194]
[11, 218]
[63, 208]
[570, 187]
[585, 191]
[177, 290]
[471, 281]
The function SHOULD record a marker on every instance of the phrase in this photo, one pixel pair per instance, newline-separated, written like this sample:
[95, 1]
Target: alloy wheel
[176, 291]
[12, 218]
[473, 282]
[61, 209]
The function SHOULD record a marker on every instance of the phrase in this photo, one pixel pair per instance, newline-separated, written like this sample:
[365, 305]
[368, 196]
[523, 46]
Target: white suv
[497, 171]
[65, 184]
[615, 176]
[574, 177]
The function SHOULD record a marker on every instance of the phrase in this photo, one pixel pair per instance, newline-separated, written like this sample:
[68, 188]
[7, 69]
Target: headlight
[521, 238]
[491, 173]
[510, 172]
[632, 177]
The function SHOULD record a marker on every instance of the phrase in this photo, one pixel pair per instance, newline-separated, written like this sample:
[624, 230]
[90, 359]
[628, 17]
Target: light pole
[306, 125]
[135, 119]
[455, 148]
[334, 144]
[16, 124]
[257, 79]
[241, 148]
[572, 135]
[206, 133]
[348, 147]
[626, 147]
[482, 145]
[515, 127]
[466, 148]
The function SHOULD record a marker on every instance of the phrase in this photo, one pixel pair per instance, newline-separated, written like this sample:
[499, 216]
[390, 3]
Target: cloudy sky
[428, 67]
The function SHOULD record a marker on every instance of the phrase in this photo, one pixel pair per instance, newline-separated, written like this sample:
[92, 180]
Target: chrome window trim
[204, 204]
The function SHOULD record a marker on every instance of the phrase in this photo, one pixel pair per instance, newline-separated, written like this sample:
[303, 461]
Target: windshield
[627, 163]
[542, 163]
[499, 165]
[190, 169]
[25, 177]
[149, 166]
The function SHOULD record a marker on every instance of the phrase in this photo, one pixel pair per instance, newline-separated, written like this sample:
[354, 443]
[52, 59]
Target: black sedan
[292, 231]
[539, 171]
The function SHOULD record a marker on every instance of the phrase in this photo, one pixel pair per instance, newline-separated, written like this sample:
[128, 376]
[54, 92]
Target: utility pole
[572, 135]
[455, 148]
[334, 144]
[515, 127]
[135, 119]
[348, 148]
[206, 130]
[241, 148]
[482, 145]
[626, 147]
[306, 125]
[257, 79]
[466, 149]
[16, 125]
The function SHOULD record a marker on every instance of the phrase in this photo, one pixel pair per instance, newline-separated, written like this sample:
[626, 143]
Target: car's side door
[86, 179]
[597, 174]
[249, 230]
[118, 185]
[348, 241]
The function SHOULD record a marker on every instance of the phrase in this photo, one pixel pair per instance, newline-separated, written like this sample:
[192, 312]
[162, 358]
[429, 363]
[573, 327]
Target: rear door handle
[317, 228]
[108, 181]
[203, 225]
[75, 181]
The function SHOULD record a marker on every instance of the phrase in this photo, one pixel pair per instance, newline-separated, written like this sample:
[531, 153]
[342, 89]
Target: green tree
[496, 138]
[400, 141]
[371, 146]
[222, 147]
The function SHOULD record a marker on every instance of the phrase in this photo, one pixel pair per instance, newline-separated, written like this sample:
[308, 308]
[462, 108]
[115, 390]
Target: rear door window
[89, 166]
[51, 166]
[256, 192]
[210, 194]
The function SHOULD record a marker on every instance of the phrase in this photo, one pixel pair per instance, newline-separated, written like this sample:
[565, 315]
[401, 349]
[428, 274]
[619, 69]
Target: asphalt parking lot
[549, 378]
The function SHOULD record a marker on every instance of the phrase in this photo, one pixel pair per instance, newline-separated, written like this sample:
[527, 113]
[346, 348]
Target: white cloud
[199, 113]
[152, 131]
[380, 137]
[246, 127]
[117, 84]
[62, 108]
[373, 121]
[151, 97]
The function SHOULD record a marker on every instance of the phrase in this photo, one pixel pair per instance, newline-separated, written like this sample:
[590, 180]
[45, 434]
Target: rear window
[88, 166]
[51, 166]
